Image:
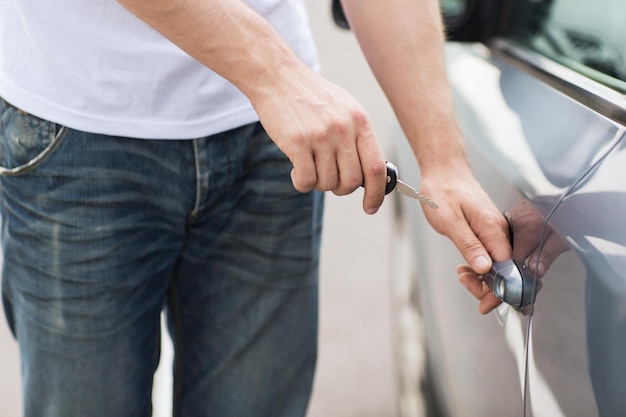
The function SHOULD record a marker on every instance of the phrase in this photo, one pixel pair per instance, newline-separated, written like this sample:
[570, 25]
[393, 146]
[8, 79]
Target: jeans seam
[36, 161]
[196, 158]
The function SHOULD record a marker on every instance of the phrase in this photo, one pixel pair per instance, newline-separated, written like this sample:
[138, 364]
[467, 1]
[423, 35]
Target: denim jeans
[100, 234]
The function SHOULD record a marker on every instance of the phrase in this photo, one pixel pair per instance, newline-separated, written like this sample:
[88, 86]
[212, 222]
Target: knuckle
[339, 128]
[378, 169]
[327, 185]
[348, 187]
[307, 183]
[320, 136]
[471, 246]
[354, 182]
[303, 182]
[360, 118]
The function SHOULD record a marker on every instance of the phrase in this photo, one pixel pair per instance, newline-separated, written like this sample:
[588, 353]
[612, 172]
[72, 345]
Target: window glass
[588, 36]
[452, 8]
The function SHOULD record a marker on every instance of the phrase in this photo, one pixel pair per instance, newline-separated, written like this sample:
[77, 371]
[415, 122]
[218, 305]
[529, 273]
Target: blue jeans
[100, 234]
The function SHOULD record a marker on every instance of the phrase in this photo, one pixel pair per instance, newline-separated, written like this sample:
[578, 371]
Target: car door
[578, 330]
[539, 94]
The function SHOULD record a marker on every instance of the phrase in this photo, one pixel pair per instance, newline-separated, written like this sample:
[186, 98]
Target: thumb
[489, 242]
[472, 250]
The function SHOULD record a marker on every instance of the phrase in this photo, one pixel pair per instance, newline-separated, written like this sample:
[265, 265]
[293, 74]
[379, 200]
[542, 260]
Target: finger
[488, 304]
[326, 171]
[375, 179]
[473, 282]
[303, 174]
[373, 168]
[492, 230]
[470, 247]
[350, 173]
[484, 237]
[478, 288]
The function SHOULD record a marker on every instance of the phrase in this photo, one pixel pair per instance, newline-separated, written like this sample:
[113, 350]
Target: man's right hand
[326, 134]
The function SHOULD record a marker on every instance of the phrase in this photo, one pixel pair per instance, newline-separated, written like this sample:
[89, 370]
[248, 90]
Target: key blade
[409, 191]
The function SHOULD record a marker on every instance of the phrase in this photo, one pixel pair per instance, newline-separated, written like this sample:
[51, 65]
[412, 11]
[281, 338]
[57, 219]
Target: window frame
[589, 92]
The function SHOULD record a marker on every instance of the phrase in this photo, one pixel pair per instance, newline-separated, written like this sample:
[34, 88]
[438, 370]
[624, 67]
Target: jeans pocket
[25, 140]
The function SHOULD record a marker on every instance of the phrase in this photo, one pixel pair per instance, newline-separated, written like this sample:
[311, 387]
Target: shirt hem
[141, 128]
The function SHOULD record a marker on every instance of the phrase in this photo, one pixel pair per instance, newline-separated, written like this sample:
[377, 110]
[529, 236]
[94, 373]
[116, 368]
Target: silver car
[539, 89]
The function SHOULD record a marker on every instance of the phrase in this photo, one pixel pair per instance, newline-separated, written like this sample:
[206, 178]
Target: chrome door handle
[512, 284]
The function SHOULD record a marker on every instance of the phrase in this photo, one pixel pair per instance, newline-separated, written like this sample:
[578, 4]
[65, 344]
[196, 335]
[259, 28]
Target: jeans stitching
[36, 161]
[196, 158]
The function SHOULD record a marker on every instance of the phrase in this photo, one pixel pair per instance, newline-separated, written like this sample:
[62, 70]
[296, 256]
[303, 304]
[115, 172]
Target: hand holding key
[394, 183]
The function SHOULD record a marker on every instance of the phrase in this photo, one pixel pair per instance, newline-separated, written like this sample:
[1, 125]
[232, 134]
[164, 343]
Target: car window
[452, 8]
[586, 36]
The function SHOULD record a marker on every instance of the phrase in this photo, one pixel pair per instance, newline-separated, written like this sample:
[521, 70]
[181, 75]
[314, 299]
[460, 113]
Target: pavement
[355, 375]
[10, 391]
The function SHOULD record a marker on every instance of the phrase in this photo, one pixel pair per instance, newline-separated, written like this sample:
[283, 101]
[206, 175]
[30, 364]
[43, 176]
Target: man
[137, 176]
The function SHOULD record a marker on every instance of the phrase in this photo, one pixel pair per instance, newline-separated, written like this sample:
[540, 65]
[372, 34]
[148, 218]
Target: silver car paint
[558, 168]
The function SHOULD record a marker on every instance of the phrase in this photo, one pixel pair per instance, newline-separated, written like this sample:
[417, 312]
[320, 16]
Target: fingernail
[371, 210]
[481, 263]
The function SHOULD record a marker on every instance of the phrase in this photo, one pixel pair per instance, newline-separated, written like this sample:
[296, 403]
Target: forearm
[226, 36]
[403, 43]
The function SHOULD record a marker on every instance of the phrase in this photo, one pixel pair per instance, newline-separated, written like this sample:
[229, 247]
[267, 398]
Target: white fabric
[93, 66]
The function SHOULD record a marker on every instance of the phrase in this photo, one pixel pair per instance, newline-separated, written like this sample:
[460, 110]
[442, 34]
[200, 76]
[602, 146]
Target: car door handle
[512, 284]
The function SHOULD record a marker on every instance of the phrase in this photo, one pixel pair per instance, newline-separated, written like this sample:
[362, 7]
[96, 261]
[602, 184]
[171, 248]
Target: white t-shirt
[91, 65]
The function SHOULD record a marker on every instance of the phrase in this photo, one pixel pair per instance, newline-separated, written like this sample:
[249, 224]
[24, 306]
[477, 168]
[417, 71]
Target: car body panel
[579, 326]
[553, 164]
[462, 345]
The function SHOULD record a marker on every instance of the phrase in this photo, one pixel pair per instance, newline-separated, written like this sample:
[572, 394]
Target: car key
[394, 183]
